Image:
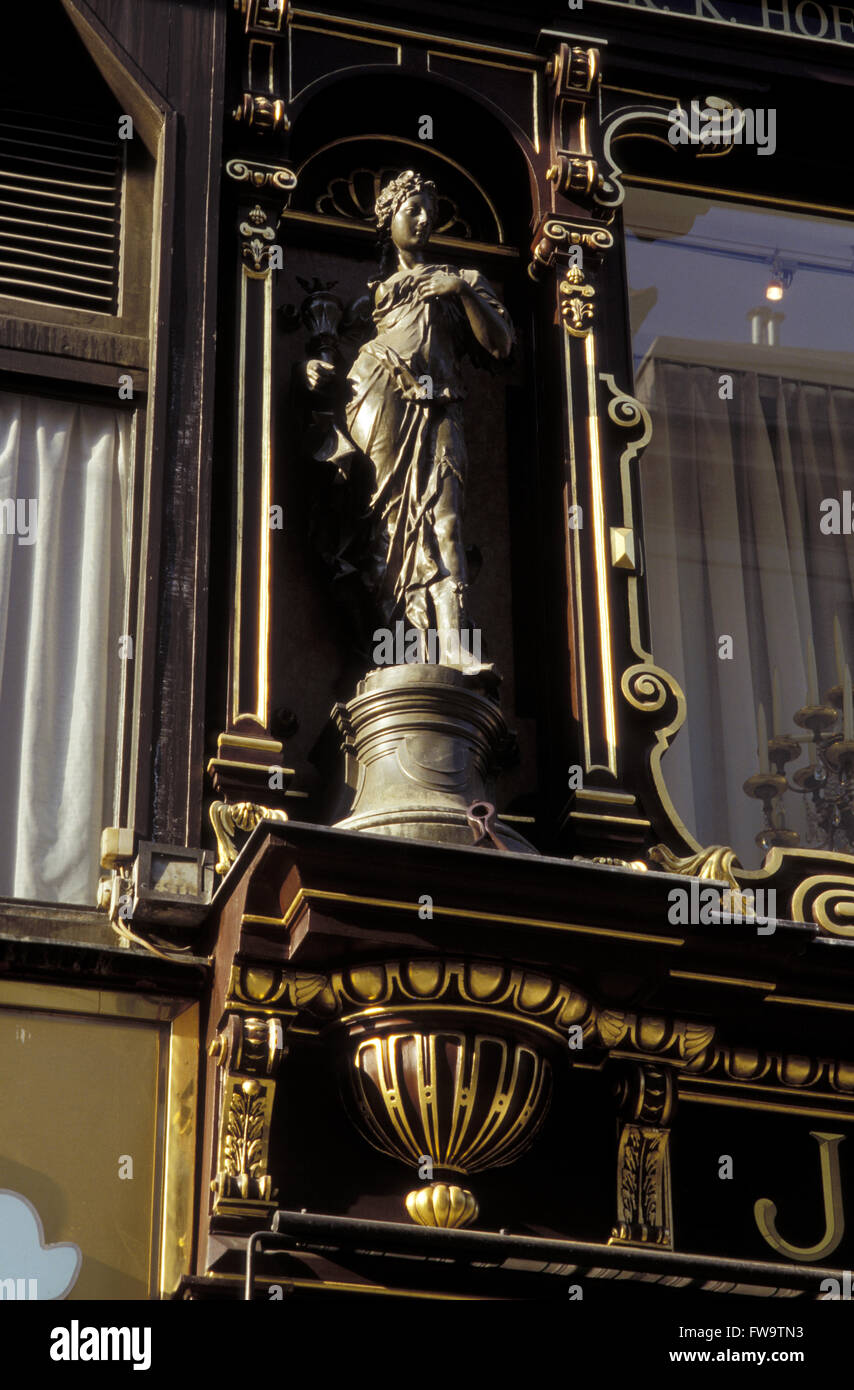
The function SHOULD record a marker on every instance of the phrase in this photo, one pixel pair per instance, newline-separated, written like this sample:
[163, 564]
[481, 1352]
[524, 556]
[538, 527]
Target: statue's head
[406, 210]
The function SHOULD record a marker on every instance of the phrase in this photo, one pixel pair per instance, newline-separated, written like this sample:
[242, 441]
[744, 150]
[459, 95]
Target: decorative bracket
[247, 1052]
[811, 886]
[646, 122]
[243, 815]
[573, 172]
[262, 108]
[645, 1095]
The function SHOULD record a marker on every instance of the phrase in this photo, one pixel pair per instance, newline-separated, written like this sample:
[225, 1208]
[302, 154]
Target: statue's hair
[397, 191]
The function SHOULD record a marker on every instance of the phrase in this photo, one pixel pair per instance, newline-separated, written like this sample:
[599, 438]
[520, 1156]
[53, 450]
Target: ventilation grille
[60, 211]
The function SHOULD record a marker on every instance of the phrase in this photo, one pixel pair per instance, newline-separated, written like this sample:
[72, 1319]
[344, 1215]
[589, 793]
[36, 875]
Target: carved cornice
[517, 999]
[653, 1036]
[481, 989]
[815, 1075]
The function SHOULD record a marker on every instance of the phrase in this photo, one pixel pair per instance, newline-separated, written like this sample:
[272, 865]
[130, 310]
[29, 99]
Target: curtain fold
[731, 494]
[61, 613]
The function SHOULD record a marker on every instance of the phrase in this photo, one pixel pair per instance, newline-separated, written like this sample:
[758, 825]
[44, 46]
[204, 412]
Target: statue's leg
[448, 594]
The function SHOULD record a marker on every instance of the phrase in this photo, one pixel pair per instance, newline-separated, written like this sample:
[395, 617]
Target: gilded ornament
[242, 815]
[442, 1204]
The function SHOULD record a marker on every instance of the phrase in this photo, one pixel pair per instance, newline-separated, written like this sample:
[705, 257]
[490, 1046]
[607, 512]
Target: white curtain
[61, 610]
[731, 500]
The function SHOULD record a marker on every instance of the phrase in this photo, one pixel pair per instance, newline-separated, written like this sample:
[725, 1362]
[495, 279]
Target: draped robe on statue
[405, 415]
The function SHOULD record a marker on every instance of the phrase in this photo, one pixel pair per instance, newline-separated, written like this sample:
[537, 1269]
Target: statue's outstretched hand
[319, 374]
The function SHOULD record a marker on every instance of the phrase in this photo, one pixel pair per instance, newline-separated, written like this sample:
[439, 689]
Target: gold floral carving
[645, 1095]
[245, 1050]
[576, 302]
[257, 235]
[715, 863]
[243, 1153]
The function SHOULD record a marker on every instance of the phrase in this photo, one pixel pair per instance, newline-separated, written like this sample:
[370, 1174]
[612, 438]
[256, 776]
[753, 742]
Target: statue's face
[412, 224]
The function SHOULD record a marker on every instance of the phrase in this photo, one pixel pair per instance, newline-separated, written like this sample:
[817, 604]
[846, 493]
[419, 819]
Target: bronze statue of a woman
[405, 415]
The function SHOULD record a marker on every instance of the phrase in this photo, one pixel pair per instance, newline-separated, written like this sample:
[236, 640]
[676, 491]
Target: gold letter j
[834, 1217]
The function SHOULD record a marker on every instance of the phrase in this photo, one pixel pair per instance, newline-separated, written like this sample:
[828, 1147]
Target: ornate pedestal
[426, 744]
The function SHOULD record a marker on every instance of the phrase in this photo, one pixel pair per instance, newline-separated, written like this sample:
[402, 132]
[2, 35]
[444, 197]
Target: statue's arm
[489, 320]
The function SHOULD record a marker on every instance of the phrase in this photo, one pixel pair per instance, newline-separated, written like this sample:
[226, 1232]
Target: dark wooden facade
[690, 1045]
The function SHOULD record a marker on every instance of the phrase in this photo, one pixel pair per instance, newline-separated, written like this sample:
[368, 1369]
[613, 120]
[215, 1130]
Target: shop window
[741, 320]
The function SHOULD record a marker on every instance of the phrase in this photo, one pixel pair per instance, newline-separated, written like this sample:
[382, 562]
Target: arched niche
[347, 141]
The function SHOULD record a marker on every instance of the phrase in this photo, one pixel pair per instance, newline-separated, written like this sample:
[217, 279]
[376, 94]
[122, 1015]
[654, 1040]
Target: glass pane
[742, 334]
[64, 471]
[92, 1081]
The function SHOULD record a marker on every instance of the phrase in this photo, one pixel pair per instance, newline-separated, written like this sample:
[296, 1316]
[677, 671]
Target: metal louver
[60, 211]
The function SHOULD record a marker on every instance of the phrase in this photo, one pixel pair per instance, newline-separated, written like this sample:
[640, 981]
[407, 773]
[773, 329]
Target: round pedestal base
[428, 744]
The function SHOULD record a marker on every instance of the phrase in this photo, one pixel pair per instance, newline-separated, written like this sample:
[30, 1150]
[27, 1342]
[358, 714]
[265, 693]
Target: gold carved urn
[448, 1067]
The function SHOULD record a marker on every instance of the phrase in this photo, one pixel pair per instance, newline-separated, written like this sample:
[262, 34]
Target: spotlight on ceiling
[780, 280]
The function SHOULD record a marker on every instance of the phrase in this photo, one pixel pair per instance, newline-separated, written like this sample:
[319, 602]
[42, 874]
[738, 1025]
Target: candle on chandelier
[839, 648]
[776, 705]
[762, 736]
[812, 674]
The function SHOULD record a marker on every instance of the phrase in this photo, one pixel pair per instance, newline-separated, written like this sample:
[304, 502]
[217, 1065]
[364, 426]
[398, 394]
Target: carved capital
[273, 176]
[555, 239]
